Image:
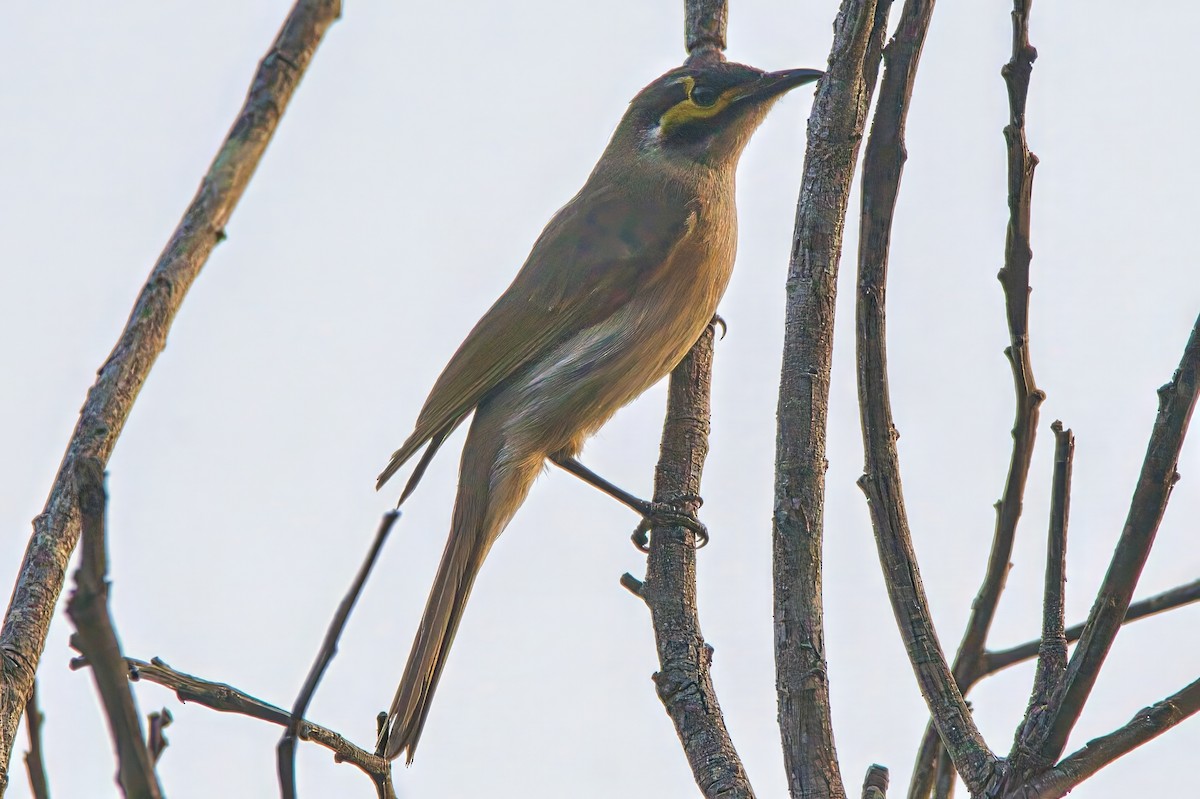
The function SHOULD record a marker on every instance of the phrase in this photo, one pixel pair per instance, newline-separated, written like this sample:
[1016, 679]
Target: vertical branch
[96, 639]
[35, 761]
[121, 377]
[882, 167]
[684, 681]
[969, 661]
[705, 23]
[834, 135]
[1052, 655]
[1177, 401]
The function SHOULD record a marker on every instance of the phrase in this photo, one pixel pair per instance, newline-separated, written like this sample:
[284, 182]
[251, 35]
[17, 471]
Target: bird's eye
[703, 96]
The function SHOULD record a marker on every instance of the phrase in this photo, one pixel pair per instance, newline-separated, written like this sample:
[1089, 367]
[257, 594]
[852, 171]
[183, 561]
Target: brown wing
[597, 251]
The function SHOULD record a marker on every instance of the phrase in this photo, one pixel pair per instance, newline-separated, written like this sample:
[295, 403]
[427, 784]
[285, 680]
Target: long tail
[488, 495]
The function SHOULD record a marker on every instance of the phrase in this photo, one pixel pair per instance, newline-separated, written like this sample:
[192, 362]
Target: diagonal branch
[1177, 400]
[96, 639]
[121, 377]
[286, 750]
[882, 168]
[834, 135]
[1099, 752]
[1014, 278]
[227, 699]
[1159, 603]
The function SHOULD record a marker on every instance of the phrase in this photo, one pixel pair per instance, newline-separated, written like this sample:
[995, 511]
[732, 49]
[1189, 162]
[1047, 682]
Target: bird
[617, 288]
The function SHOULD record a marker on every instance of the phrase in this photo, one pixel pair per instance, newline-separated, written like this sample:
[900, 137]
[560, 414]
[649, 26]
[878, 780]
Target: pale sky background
[424, 151]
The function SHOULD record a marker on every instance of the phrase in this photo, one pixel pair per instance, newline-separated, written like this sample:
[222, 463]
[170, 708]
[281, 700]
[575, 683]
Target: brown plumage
[615, 291]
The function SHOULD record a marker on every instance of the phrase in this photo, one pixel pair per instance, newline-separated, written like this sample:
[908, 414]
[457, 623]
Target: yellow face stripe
[687, 110]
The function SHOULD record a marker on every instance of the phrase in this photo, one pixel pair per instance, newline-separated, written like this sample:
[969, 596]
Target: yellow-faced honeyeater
[617, 288]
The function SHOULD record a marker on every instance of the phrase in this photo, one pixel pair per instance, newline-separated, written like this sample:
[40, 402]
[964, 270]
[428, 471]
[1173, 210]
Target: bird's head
[703, 113]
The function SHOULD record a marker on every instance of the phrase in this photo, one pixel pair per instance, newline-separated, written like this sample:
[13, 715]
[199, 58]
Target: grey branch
[834, 136]
[1098, 753]
[96, 639]
[227, 699]
[286, 751]
[35, 761]
[684, 680]
[1177, 401]
[1159, 603]
[1014, 279]
[121, 377]
[882, 167]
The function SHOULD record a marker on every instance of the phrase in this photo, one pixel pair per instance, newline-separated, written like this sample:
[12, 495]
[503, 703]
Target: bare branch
[1025, 757]
[96, 639]
[834, 135]
[882, 167]
[286, 750]
[157, 741]
[1014, 278]
[1168, 600]
[110, 400]
[1052, 660]
[684, 680]
[704, 28]
[227, 699]
[35, 762]
[1098, 753]
[875, 785]
[1177, 400]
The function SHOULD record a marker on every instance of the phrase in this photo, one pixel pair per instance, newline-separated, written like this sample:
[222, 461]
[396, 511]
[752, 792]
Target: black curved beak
[774, 84]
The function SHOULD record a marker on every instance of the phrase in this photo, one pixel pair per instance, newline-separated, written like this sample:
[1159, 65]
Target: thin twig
[1014, 278]
[1177, 401]
[1024, 760]
[1099, 752]
[110, 400]
[227, 699]
[286, 751]
[1168, 600]
[96, 638]
[156, 740]
[684, 681]
[35, 762]
[882, 167]
[834, 135]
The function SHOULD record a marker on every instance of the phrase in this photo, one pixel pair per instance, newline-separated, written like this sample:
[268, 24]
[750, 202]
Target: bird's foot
[716, 321]
[682, 512]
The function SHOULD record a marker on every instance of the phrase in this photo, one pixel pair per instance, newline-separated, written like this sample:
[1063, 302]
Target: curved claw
[674, 514]
[719, 320]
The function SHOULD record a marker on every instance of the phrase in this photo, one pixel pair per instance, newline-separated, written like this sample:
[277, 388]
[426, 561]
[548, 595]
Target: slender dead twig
[1052, 651]
[684, 681]
[1014, 278]
[96, 639]
[286, 751]
[156, 740]
[110, 400]
[882, 167]
[1177, 401]
[834, 136]
[1168, 600]
[227, 699]
[35, 761]
[1099, 752]
[705, 24]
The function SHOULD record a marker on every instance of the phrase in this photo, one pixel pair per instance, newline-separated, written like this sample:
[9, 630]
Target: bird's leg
[676, 513]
